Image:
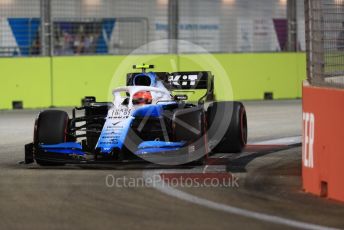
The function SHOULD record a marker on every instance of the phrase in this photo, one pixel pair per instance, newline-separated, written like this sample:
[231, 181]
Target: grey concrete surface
[273, 119]
[73, 197]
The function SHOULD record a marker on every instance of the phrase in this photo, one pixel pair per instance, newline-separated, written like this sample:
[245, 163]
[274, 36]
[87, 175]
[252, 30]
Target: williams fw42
[149, 119]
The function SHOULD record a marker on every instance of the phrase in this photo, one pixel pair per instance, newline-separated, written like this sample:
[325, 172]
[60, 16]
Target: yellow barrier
[27, 80]
[251, 75]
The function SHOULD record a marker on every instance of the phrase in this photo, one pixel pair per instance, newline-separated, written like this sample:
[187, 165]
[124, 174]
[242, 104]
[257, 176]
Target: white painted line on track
[280, 141]
[168, 190]
[207, 166]
[214, 168]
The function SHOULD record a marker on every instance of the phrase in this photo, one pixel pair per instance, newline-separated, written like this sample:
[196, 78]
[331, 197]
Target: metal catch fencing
[325, 42]
[118, 27]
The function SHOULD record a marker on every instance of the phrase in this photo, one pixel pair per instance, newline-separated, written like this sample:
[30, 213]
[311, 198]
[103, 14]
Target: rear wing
[184, 82]
[191, 81]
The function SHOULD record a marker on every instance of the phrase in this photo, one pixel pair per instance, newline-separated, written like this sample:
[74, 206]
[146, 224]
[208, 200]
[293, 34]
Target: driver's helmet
[142, 98]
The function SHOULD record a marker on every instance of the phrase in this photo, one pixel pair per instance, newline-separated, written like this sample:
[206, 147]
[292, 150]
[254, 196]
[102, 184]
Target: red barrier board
[323, 142]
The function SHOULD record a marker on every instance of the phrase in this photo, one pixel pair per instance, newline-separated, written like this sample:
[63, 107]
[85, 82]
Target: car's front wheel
[51, 128]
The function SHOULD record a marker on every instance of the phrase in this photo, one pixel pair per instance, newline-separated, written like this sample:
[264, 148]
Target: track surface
[74, 197]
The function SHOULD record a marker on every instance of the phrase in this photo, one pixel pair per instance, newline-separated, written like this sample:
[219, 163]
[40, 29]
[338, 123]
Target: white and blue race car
[148, 120]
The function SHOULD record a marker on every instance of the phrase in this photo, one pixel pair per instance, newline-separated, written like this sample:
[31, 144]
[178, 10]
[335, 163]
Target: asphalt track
[267, 194]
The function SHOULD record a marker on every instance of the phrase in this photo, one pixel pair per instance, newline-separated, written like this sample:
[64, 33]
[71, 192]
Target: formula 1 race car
[147, 120]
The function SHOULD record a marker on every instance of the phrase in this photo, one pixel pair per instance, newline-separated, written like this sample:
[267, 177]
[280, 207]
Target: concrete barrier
[64, 81]
[323, 142]
[26, 80]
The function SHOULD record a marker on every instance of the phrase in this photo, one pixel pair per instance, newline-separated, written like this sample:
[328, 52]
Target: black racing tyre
[52, 127]
[235, 135]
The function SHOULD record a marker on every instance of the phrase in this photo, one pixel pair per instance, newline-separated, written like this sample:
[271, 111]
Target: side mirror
[88, 100]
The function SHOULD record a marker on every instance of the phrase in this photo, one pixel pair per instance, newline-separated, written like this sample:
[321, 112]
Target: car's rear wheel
[51, 128]
[234, 130]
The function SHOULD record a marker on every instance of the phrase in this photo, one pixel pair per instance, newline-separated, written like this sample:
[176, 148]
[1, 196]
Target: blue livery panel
[115, 129]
